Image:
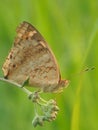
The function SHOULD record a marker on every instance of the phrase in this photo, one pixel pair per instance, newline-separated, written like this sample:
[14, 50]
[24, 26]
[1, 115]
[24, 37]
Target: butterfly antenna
[87, 69]
[82, 71]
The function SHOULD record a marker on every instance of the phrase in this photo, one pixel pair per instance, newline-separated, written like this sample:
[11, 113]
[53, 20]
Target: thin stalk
[16, 84]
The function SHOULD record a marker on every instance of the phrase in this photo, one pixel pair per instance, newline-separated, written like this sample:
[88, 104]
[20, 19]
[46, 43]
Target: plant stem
[16, 84]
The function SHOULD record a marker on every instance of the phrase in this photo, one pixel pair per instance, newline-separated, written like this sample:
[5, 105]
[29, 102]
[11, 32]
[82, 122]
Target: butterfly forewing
[31, 57]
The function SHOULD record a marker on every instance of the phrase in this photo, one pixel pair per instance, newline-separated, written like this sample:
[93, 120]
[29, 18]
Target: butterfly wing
[31, 57]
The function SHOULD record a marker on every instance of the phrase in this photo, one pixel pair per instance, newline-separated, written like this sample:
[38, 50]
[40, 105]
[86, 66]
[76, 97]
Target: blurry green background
[71, 29]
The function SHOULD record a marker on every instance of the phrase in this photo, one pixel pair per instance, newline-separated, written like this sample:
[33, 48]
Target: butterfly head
[64, 83]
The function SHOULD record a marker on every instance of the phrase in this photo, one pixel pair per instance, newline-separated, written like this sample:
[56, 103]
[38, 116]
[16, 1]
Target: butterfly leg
[34, 96]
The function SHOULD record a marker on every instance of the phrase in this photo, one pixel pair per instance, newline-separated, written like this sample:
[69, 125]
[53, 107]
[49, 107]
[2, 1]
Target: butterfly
[31, 58]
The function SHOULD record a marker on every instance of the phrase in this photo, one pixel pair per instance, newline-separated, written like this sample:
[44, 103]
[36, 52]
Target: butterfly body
[32, 58]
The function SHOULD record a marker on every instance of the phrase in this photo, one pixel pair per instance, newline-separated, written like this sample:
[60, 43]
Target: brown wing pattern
[31, 57]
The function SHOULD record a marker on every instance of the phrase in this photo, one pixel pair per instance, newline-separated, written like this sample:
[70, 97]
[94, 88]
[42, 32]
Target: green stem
[16, 84]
